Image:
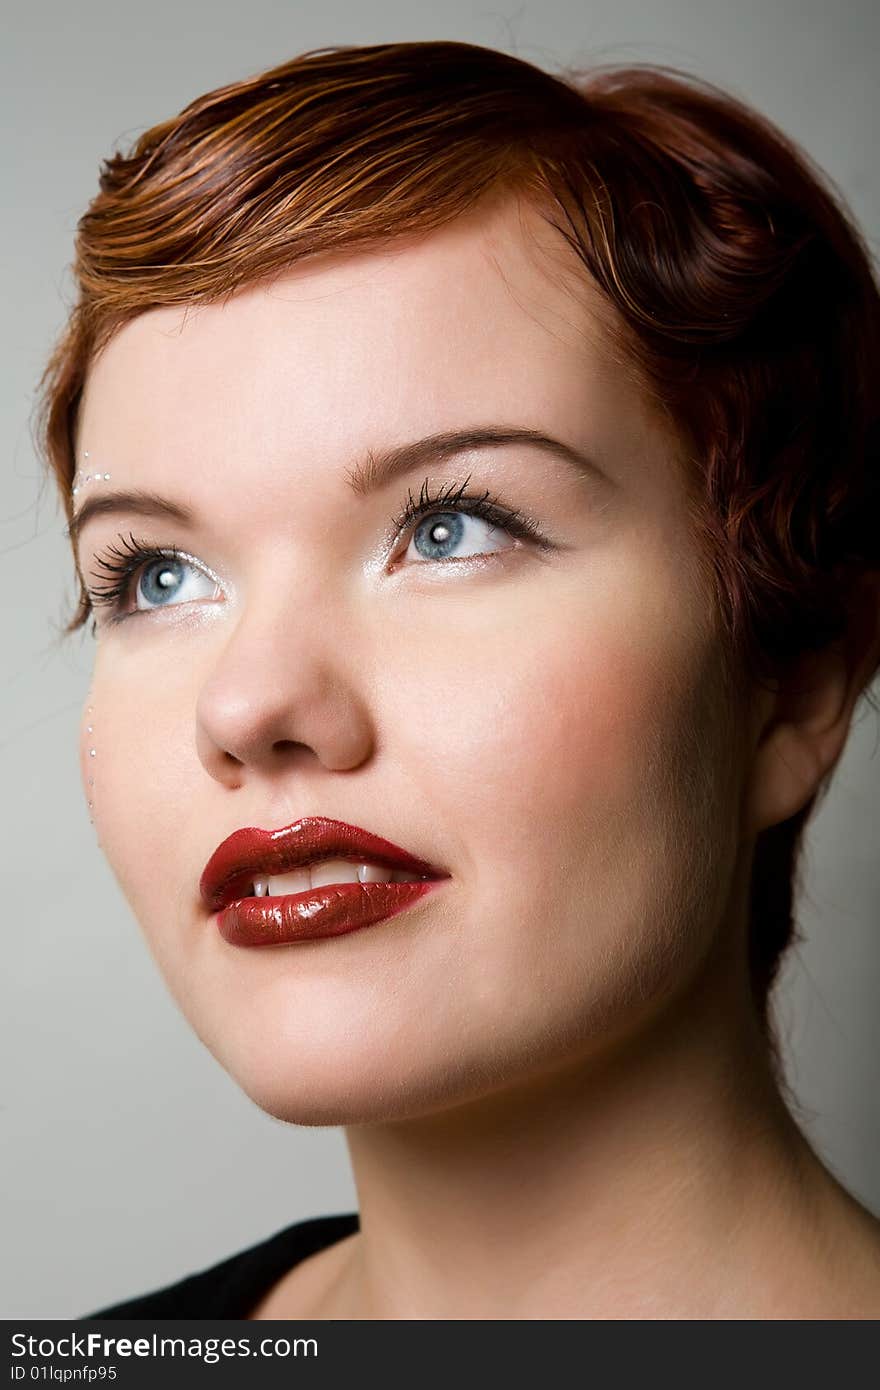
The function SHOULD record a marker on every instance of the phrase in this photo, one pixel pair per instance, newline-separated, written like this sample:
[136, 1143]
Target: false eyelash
[453, 497]
[133, 556]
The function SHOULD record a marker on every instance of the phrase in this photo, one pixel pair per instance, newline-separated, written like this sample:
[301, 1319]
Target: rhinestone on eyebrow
[80, 479]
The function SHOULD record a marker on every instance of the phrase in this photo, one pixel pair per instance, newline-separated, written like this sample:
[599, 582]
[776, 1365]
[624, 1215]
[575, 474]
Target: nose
[283, 686]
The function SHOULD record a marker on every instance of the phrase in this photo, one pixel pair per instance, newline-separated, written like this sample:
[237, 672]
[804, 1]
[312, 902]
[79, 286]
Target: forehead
[491, 318]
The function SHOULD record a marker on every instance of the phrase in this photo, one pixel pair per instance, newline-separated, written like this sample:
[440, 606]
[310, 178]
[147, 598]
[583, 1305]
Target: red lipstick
[227, 883]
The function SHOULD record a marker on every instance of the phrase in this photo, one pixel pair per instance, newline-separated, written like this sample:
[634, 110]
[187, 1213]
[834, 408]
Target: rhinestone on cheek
[90, 729]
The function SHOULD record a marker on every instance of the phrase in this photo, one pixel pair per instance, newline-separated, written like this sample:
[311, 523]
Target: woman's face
[541, 718]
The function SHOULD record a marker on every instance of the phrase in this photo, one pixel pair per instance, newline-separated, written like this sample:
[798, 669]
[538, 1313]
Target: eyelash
[126, 562]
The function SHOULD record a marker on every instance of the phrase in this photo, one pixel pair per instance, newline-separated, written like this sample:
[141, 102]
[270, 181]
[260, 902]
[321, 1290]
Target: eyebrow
[377, 471]
[373, 474]
[136, 502]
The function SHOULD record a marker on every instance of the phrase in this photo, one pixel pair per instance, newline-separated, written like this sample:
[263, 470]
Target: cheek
[569, 760]
[554, 781]
[546, 731]
[135, 778]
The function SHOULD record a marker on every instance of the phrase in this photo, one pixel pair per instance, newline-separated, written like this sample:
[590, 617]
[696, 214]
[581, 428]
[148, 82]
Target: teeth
[297, 881]
[334, 871]
[327, 871]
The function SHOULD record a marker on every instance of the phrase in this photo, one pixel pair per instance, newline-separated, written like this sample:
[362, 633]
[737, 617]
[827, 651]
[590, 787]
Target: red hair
[737, 283]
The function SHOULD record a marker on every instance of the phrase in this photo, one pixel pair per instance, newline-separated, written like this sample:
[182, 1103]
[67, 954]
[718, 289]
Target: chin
[359, 1050]
[352, 1076]
[326, 1095]
[374, 1079]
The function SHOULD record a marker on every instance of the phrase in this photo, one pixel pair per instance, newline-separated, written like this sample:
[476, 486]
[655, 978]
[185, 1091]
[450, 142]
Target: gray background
[124, 1142]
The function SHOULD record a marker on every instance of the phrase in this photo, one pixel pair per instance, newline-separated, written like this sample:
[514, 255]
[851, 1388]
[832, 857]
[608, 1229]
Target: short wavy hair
[739, 291]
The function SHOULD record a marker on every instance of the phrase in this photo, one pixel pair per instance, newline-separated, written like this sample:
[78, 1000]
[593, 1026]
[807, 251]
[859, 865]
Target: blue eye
[162, 576]
[440, 536]
[442, 521]
[162, 581]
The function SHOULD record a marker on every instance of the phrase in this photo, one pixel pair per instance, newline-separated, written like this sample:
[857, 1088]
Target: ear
[804, 723]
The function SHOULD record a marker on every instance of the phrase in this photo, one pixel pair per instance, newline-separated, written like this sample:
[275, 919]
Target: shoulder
[230, 1288]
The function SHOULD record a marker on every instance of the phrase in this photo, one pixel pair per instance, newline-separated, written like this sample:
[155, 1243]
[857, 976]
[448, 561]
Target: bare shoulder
[302, 1292]
[848, 1286]
[864, 1263]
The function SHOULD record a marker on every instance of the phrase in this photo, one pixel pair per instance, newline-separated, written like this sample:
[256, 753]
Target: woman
[485, 460]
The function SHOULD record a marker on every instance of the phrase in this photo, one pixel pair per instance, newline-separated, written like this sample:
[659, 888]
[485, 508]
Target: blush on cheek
[596, 726]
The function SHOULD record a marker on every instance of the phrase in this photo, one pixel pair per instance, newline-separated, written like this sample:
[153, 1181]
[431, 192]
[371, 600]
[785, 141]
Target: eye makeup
[127, 560]
[453, 497]
[123, 563]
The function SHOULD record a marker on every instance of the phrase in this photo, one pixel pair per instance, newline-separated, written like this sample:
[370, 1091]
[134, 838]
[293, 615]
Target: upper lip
[252, 853]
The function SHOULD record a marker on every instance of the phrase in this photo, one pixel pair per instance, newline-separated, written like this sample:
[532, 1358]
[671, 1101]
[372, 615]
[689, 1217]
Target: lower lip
[332, 911]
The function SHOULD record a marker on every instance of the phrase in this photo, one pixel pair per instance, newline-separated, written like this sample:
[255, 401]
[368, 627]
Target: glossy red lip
[252, 853]
[333, 910]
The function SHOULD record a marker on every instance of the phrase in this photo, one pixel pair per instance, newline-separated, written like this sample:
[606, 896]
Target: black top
[233, 1287]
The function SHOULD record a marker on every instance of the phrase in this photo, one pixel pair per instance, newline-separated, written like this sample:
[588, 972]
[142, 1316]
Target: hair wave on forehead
[737, 283]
